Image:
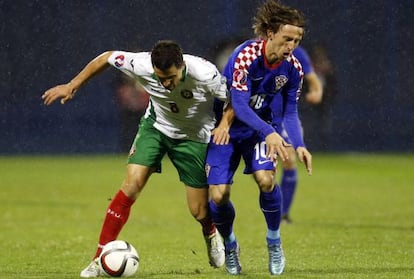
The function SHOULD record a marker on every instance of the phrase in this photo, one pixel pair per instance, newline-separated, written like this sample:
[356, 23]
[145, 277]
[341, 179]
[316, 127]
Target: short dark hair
[165, 54]
[272, 14]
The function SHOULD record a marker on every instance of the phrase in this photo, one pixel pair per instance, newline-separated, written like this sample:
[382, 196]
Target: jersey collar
[184, 73]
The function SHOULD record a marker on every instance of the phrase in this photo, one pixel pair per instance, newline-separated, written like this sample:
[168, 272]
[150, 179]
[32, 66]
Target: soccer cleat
[286, 219]
[233, 265]
[92, 270]
[215, 249]
[276, 259]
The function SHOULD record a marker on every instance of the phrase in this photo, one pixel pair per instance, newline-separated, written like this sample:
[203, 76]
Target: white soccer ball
[119, 259]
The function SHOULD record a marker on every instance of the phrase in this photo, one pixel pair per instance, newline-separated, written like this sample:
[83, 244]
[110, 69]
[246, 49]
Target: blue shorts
[222, 160]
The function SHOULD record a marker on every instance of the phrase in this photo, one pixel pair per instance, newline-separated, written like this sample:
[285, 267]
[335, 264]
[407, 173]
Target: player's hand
[64, 92]
[305, 157]
[221, 135]
[276, 145]
[313, 97]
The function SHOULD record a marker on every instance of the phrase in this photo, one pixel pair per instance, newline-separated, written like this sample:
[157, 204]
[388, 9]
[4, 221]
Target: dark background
[44, 43]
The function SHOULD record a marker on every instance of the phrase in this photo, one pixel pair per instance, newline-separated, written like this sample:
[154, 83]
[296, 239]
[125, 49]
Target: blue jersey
[263, 95]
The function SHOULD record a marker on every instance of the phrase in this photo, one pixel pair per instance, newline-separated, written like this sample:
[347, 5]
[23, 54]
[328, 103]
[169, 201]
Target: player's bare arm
[305, 157]
[221, 132]
[314, 95]
[66, 92]
[275, 144]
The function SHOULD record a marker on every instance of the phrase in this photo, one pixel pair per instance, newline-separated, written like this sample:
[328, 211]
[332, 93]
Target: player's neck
[270, 59]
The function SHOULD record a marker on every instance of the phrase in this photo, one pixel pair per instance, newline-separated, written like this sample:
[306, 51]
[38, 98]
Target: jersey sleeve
[217, 85]
[130, 63]
[240, 101]
[290, 116]
[239, 82]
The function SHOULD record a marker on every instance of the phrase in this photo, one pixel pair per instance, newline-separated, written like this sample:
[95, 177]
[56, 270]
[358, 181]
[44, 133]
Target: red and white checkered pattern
[292, 59]
[244, 59]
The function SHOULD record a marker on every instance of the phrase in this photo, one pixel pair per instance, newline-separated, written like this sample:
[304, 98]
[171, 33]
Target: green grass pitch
[353, 218]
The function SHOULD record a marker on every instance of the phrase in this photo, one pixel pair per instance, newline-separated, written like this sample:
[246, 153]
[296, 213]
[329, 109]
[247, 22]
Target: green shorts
[188, 157]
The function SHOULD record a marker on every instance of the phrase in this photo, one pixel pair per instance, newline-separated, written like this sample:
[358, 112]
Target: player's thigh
[148, 148]
[189, 157]
[290, 163]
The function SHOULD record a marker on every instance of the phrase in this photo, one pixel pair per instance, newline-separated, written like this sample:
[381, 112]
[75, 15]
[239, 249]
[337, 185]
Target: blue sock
[230, 242]
[270, 204]
[288, 185]
[273, 237]
[223, 217]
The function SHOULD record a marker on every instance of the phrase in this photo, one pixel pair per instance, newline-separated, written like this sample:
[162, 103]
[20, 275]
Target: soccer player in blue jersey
[264, 81]
[313, 95]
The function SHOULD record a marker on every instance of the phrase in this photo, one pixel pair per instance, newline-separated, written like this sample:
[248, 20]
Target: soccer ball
[119, 259]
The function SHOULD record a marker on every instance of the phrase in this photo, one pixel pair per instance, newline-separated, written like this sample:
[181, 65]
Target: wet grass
[353, 218]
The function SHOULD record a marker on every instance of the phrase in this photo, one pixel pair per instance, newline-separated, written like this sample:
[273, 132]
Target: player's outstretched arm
[67, 91]
[315, 93]
[305, 157]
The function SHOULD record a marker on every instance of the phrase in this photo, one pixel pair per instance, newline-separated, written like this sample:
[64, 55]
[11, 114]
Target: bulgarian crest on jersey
[280, 81]
[187, 94]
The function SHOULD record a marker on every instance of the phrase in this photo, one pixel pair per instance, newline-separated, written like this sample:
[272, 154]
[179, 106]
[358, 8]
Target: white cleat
[215, 249]
[92, 270]
[276, 259]
[233, 266]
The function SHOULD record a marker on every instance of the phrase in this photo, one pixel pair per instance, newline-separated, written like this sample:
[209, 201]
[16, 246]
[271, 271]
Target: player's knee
[198, 210]
[135, 180]
[220, 197]
[132, 188]
[288, 165]
[265, 183]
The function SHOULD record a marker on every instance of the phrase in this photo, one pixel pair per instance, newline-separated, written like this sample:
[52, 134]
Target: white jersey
[185, 112]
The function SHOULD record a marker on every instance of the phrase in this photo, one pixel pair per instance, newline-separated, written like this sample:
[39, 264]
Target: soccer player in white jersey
[178, 122]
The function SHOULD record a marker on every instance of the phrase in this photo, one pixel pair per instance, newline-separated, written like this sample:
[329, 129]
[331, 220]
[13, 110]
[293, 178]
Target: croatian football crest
[280, 81]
